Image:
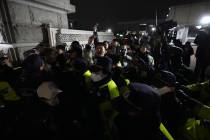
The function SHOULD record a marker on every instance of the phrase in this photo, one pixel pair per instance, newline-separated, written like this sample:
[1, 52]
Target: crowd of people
[135, 87]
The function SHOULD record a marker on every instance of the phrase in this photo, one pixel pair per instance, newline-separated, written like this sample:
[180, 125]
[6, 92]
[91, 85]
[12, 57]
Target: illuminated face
[106, 45]
[128, 48]
[100, 51]
[60, 51]
[91, 41]
[143, 49]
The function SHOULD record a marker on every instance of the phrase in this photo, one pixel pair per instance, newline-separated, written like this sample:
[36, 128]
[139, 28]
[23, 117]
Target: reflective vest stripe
[7, 92]
[165, 132]
[87, 74]
[113, 89]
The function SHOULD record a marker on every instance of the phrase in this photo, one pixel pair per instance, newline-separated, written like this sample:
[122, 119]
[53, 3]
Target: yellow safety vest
[113, 89]
[7, 93]
[87, 76]
[108, 113]
[195, 130]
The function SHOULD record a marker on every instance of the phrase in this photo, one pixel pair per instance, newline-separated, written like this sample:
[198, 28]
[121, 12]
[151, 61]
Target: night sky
[108, 12]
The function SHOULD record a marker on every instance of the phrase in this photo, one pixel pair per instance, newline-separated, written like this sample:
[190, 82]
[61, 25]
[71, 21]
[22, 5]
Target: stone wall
[27, 19]
[59, 36]
[27, 16]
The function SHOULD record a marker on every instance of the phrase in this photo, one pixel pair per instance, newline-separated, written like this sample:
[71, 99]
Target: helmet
[164, 78]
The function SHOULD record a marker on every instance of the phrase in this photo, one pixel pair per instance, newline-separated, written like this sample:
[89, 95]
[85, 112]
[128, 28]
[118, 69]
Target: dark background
[109, 12]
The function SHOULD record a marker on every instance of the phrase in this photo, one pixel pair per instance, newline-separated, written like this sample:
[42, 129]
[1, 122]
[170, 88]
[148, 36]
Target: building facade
[189, 19]
[23, 22]
[189, 14]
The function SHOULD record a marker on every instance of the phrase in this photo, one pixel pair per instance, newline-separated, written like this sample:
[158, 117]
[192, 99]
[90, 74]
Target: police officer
[172, 112]
[105, 90]
[139, 113]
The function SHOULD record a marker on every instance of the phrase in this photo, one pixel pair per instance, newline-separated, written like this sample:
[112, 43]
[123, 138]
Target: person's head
[115, 43]
[129, 50]
[100, 50]
[143, 49]
[75, 43]
[142, 102]
[75, 51]
[101, 69]
[177, 43]
[80, 66]
[106, 44]
[61, 48]
[49, 55]
[165, 81]
[5, 61]
[126, 50]
[30, 52]
[165, 78]
[33, 64]
[91, 40]
[187, 43]
[123, 50]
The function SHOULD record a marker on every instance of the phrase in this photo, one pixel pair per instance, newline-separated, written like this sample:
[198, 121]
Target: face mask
[95, 77]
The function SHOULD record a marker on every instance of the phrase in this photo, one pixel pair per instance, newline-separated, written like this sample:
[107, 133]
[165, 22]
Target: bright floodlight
[198, 26]
[205, 20]
[109, 30]
[153, 28]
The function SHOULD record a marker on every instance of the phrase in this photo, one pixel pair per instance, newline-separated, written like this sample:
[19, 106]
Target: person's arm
[95, 34]
[165, 90]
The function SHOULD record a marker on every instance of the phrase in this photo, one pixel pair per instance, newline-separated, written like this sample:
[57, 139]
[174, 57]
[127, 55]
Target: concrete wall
[27, 16]
[27, 20]
[59, 36]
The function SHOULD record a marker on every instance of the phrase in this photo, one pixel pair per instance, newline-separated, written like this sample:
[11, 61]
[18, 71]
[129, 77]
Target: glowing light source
[109, 30]
[205, 20]
[153, 29]
[143, 24]
[198, 26]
